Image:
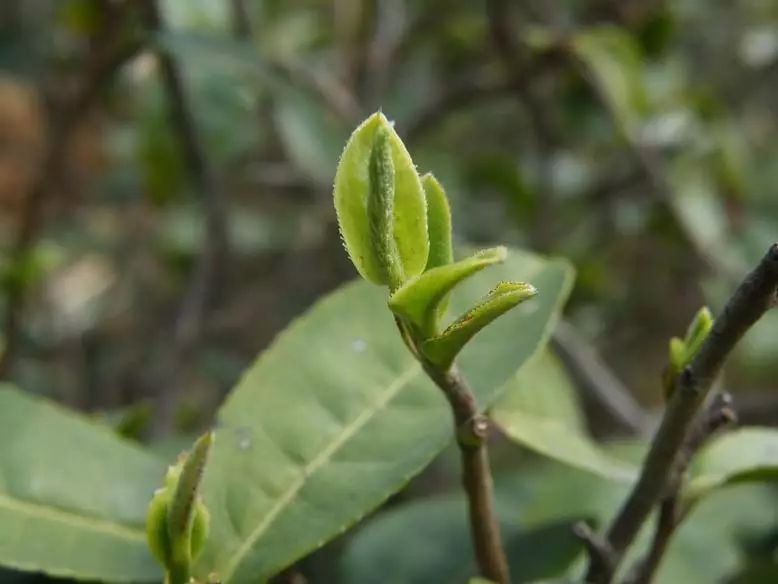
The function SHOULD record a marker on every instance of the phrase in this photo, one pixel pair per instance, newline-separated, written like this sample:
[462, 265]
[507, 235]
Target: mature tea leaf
[337, 415]
[73, 496]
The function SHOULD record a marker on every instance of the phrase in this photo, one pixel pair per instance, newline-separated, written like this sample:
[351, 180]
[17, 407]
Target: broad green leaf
[443, 348]
[352, 187]
[336, 416]
[438, 223]
[745, 454]
[429, 541]
[418, 300]
[73, 496]
[539, 410]
[614, 59]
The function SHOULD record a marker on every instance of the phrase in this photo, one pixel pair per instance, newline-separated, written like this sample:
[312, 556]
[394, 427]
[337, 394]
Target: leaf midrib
[318, 461]
[94, 524]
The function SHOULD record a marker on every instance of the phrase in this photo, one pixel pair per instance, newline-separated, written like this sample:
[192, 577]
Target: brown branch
[60, 127]
[755, 295]
[471, 432]
[213, 256]
[519, 64]
[717, 416]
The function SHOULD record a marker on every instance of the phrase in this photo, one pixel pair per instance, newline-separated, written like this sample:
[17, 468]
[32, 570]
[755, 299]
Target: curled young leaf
[353, 189]
[380, 210]
[177, 520]
[438, 223]
[418, 300]
[443, 349]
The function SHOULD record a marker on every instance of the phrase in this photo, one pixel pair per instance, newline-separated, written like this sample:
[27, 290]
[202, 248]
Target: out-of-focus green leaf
[710, 544]
[745, 454]
[615, 62]
[73, 496]
[724, 522]
[429, 541]
[542, 388]
[312, 136]
[158, 152]
[339, 395]
[539, 410]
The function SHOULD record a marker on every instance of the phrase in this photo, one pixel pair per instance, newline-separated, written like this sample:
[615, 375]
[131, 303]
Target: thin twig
[61, 125]
[241, 20]
[213, 256]
[594, 376]
[755, 295]
[519, 64]
[599, 550]
[471, 432]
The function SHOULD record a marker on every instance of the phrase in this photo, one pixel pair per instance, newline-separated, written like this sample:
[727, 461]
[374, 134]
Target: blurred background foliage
[635, 137]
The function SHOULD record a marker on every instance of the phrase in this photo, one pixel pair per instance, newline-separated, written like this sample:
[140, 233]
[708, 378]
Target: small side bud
[697, 332]
[177, 520]
[682, 352]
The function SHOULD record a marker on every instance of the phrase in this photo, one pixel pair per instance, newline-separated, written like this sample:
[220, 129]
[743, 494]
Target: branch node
[687, 384]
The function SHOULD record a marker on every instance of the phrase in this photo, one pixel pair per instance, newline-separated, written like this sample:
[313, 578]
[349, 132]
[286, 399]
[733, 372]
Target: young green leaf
[352, 191]
[697, 332]
[443, 349]
[418, 300]
[438, 223]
